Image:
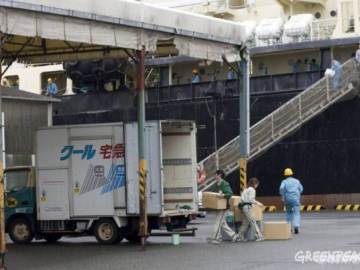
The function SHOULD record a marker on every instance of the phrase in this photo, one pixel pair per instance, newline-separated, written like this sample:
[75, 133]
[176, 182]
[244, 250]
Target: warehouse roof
[14, 94]
[51, 31]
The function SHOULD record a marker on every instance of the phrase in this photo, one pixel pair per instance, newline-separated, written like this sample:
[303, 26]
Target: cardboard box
[258, 212]
[239, 216]
[234, 202]
[210, 200]
[277, 230]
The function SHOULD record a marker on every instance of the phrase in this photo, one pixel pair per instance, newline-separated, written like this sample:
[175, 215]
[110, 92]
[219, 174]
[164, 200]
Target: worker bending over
[290, 191]
[246, 205]
[223, 188]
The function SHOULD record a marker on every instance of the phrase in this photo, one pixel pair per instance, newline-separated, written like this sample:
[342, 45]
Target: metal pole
[215, 134]
[143, 222]
[2, 189]
[244, 101]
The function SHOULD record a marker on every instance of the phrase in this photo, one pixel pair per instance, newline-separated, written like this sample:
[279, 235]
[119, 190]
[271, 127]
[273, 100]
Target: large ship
[291, 44]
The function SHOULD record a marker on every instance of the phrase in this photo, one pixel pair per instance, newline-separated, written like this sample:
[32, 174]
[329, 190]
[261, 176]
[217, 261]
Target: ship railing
[319, 30]
[322, 29]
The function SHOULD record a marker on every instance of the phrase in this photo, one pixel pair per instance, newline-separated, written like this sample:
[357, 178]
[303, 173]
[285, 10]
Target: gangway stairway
[282, 122]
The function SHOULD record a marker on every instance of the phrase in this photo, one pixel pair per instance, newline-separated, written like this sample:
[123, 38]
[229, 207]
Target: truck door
[152, 154]
[179, 165]
[52, 175]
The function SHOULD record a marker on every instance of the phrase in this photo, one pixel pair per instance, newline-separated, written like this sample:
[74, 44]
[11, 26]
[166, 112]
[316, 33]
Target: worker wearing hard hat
[51, 88]
[290, 191]
[195, 76]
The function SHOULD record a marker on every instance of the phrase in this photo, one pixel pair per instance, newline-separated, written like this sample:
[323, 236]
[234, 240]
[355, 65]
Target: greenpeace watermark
[328, 257]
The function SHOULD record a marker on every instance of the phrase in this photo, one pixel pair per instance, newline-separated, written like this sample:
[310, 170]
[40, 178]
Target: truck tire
[20, 231]
[52, 238]
[107, 232]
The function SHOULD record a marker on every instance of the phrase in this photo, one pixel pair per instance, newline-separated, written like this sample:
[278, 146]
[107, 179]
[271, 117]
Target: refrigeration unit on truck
[86, 182]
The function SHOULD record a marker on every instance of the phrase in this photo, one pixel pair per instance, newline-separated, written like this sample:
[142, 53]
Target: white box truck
[86, 182]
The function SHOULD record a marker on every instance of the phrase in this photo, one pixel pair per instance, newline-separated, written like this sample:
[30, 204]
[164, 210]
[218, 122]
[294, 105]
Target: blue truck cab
[20, 203]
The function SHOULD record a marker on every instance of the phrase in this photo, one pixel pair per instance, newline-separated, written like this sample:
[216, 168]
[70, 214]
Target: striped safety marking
[348, 207]
[270, 208]
[339, 207]
[310, 207]
[243, 180]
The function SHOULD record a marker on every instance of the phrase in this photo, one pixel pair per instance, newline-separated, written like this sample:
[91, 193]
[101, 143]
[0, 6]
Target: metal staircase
[282, 122]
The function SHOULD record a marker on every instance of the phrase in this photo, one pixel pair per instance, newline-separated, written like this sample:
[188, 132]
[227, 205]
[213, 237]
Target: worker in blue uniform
[290, 191]
[337, 68]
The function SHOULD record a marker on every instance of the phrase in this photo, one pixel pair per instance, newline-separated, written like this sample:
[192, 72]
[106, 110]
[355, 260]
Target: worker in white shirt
[246, 205]
[357, 56]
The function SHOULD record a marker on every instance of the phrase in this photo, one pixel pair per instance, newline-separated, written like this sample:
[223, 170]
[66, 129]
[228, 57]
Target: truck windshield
[15, 180]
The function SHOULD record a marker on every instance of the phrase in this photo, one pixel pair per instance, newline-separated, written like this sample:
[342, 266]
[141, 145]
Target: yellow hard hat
[49, 80]
[288, 172]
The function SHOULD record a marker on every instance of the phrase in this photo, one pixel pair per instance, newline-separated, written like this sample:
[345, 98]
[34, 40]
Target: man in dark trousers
[223, 188]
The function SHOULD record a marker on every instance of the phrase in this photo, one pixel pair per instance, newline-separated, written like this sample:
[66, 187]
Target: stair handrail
[210, 180]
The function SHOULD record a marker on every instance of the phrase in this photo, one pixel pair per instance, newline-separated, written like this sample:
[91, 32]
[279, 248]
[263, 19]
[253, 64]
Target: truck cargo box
[92, 170]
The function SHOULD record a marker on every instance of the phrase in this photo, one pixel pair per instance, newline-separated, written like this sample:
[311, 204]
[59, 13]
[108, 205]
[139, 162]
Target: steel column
[2, 189]
[244, 101]
[143, 222]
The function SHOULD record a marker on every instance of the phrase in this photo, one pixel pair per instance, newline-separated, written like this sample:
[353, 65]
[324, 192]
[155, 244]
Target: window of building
[57, 77]
[347, 10]
[11, 81]
[164, 76]
[235, 4]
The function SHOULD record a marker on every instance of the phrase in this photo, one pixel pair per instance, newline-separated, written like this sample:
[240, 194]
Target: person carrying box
[223, 189]
[246, 205]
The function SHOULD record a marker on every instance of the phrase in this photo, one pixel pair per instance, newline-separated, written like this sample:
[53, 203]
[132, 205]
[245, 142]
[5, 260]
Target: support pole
[244, 101]
[143, 222]
[243, 176]
[215, 134]
[2, 189]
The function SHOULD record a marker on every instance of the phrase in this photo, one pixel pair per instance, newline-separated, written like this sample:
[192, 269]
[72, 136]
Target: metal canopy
[55, 31]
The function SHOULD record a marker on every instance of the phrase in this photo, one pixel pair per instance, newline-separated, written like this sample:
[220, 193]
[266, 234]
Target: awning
[56, 31]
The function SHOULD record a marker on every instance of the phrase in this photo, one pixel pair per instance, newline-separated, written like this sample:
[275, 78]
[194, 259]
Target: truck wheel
[20, 231]
[52, 238]
[106, 232]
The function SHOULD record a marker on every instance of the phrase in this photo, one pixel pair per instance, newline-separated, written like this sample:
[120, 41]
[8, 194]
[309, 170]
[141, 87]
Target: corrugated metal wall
[22, 118]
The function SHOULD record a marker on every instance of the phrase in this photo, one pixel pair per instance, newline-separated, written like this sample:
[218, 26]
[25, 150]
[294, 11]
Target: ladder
[282, 122]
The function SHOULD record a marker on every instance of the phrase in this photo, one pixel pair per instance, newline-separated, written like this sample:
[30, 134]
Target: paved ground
[320, 232]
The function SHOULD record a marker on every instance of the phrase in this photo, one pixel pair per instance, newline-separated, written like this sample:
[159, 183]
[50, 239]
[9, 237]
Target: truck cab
[20, 203]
